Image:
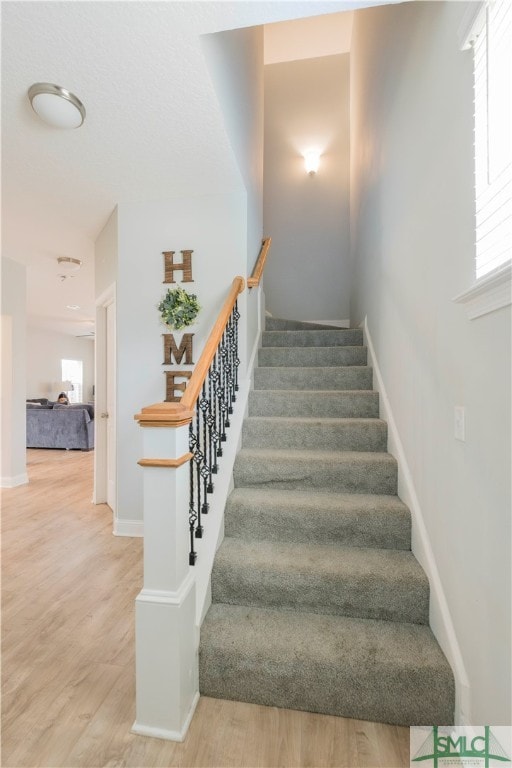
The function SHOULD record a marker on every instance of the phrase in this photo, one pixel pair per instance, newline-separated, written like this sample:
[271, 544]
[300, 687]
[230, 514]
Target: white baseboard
[133, 528]
[13, 482]
[440, 619]
[262, 314]
[254, 353]
[161, 733]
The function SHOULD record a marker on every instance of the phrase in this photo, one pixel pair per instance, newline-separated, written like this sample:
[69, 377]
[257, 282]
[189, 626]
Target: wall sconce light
[311, 162]
[56, 105]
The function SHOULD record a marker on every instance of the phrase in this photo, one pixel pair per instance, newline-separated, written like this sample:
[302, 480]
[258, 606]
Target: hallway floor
[68, 591]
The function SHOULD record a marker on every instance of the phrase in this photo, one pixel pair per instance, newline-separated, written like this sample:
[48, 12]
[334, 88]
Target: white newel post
[167, 686]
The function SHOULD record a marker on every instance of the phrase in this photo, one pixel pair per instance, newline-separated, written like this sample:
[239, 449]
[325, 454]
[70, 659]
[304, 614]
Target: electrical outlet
[460, 423]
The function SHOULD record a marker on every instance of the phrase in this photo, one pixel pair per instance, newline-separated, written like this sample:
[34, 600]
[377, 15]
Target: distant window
[72, 370]
[491, 38]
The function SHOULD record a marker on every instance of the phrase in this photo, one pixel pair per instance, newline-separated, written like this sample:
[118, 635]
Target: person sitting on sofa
[63, 399]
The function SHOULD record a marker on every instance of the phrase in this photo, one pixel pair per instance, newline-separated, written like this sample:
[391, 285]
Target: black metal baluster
[223, 407]
[230, 333]
[215, 434]
[205, 470]
[208, 432]
[210, 422]
[217, 401]
[236, 318]
[225, 384]
[198, 458]
[192, 515]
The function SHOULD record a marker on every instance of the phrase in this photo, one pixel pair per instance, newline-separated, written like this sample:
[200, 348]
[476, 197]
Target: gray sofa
[68, 426]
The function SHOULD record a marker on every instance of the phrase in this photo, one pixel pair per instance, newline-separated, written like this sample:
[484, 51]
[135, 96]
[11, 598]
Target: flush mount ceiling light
[68, 266]
[56, 106]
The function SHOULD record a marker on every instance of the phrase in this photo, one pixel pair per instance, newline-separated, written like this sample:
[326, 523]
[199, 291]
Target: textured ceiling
[153, 127]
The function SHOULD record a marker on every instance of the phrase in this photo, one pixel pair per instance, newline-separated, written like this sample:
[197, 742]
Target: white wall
[307, 106]
[13, 379]
[308, 38]
[412, 247]
[45, 350]
[105, 256]
[235, 63]
[215, 228]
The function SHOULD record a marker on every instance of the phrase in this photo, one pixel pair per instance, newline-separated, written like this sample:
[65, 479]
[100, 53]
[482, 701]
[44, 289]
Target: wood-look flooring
[68, 596]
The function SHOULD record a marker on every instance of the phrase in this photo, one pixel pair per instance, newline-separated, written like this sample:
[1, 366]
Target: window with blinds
[491, 38]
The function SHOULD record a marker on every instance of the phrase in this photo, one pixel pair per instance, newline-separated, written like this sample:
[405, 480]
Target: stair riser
[383, 597]
[327, 405]
[363, 435]
[314, 378]
[388, 695]
[350, 337]
[312, 356]
[366, 475]
[353, 528]
[277, 324]
[371, 670]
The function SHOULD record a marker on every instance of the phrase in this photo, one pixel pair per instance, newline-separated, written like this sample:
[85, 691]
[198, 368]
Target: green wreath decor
[179, 308]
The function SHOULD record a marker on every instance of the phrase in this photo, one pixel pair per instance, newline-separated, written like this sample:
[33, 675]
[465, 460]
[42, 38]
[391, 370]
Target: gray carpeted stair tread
[318, 378]
[356, 519]
[312, 356]
[340, 471]
[318, 602]
[319, 403]
[360, 668]
[383, 584]
[280, 324]
[312, 433]
[313, 338]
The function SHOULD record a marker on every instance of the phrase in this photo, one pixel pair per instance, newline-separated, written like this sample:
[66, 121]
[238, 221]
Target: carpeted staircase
[318, 602]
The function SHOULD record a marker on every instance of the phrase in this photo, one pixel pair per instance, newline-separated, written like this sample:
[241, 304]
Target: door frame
[105, 359]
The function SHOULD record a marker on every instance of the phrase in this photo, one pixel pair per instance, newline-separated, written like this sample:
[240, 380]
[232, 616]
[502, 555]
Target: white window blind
[72, 370]
[492, 46]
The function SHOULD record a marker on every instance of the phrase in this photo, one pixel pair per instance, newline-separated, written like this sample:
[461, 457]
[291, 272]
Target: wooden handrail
[178, 414]
[254, 280]
[195, 382]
